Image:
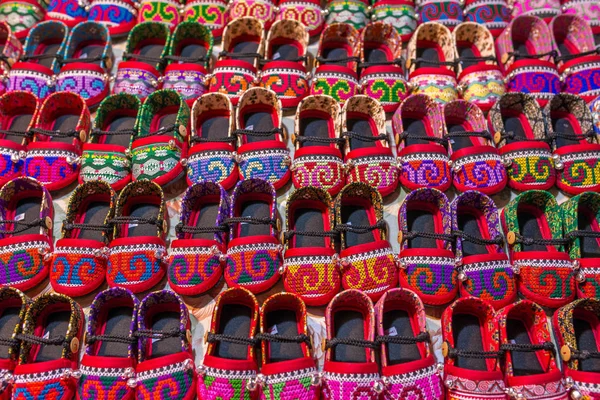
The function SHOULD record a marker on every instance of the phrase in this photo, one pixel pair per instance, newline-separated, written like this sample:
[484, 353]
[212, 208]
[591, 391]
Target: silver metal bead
[576, 394]
[188, 364]
[316, 379]
[132, 382]
[184, 162]
[507, 162]
[449, 383]
[129, 373]
[378, 387]
[223, 258]
[462, 276]
[201, 371]
[15, 158]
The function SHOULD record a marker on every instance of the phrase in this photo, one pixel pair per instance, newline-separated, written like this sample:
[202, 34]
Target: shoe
[86, 63]
[525, 50]
[350, 369]
[62, 126]
[369, 156]
[576, 148]
[254, 250]
[431, 59]
[140, 228]
[108, 363]
[351, 12]
[382, 75]
[165, 357]
[42, 51]
[262, 150]
[485, 271]
[446, 12]
[578, 60]
[476, 162]
[426, 257]
[480, 80]
[22, 15]
[78, 264]
[160, 144]
[237, 65]
[534, 232]
[398, 13]
[310, 267]
[120, 23]
[549, 10]
[231, 363]
[574, 324]
[26, 233]
[166, 12]
[106, 156]
[494, 15]
[288, 368]
[49, 353]
[212, 144]
[212, 14]
[70, 12]
[595, 110]
[336, 63]
[11, 52]
[581, 228]
[520, 135]
[367, 261]
[318, 160]
[14, 306]
[306, 11]
[530, 366]
[189, 55]
[18, 111]
[420, 132]
[198, 253]
[471, 351]
[407, 361]
[140, 71]
[587, 10]
[286, 62]
[263, 10]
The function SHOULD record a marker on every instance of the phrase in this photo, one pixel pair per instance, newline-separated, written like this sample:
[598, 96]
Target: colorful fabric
[272, 165]
[319, 170]
[439, 85]
[23, 261]
[595, 109]
[348, 386]
[578, 168]
[119, 16]
[424, 169]
[263, 10]
[294, 385]
[232, 78]
[216, 383]
[97, 383]
[448, 12]
[287, 79]
[135, 266]
[21, 16]
[423, 382]
[69, 11]
[494, 15]
[586, 9]
[400, 14]
[164, 11]
[77, 270]
[210, 13]
[210, 165]
[85, 79]
[314, 278]
[430, 277]
[538, 78]
[528, 167]
[353, 12]
[189, 83]
[482, 86]
[583, 79]
[385, 84]
[249, 265]
[99, 163]
[545, 9]
[51, 166]
[174, 380]
[37, 386]
[379, 171]
[136, 78]
[481, 170]
[309, 13]
[157, 32]
[335, 81]
[39, 81]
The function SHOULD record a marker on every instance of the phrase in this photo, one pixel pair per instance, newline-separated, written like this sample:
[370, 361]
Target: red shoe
[13, 306]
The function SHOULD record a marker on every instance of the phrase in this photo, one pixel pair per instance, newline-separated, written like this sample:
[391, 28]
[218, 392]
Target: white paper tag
[276, 56]
[273, 330]
[245, 223]
[132, 225]
[250, 127]
[46, 335]
[392, 331]
[20, 217]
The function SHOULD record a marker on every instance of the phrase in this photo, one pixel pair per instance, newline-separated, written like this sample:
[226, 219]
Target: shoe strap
[91, 339]
[41, 57]
[572, 136]
[407, 235]
[160, 334]
[420, 338]
[498, 240]
[23, 225]
[181, 228]
[365, 138]
[518, 55]
[406, 135]
[143, 58]
[26, 134]
[91, 227]
[186, 59]
[477, 59]
[63, 61]
[584, 354]
[302, 338]
[303, 139]
[218, 337]
[323, 60]
[528, 241]
[331, 343]
[249, 132]
[398, 61]
[33, 339]
[457, 134]
[239, 55]
[54, 133]
[198, 139]
[569, 57]
[119, 132]
[290, 234]
[511, 135]
[454, 353]
[580, 233]
[251, 220]
[414, 61]
[360, 228]
[8, 342]
[296, 59]
[138, 220]
[527, 347]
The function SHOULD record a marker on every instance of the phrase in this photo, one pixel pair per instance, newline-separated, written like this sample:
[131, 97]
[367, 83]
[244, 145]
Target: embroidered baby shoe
[476, 162]
[120, 22]
[352, 12]
[419, 129]
[520, 134]
[86, 63]
[318, 160]
[575, 326]
[534, 232]
[189, 54]
[197, 255]
[398, 13]
[11, 50]
[430, 62]
[61, 128]
[253, 250]
[137, 250]
[26, 233]
[581, 227]
[165, 358]
[407, 361]
[237, 65]
[530, 369]
[480, 80]
[576, 149]
[471, 351]
[310, 267]
[106, 157]
[263, 10]
[587, 10]
[71, 12]
[446, 12]
[79, 259]
[494, 15]
[369, 156]
[212, 14]
[367, 260]
[212, 144]
[22, 15]
[336, 62]
[43, 49]
[160, 144]
[230, 363]
[288, 370]
[525, 50]
[286, 62]
[382, 75]
[18, 111]
[49, 353]
[109, 360]
[160, 11]
[426, 256]
[544, 10]
[578, 60]
[485, 271]
[350, 369]
[143, 60]
[14, 305]
[262, 150]
[306, 11]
